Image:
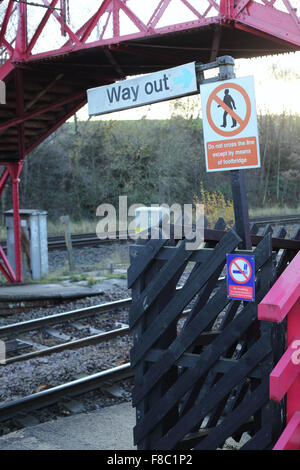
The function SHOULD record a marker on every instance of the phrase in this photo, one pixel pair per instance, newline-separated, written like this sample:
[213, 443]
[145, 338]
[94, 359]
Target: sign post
[231, 136]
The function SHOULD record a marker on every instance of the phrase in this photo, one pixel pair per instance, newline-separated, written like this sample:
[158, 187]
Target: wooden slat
[140, 263]
[241, 414]
[188, 335]
[260, 440]
[139, 371]
[215, 236]
[281, 232]
[223, 373]
[166, 252]
[177, 261]
[205, 361]
[257, 353]
[184, 296]
[204, 295]
[287, 255]
[240, 390]
[223, 365]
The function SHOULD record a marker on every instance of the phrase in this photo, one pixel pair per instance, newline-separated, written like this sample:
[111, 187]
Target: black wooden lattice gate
[201, 361]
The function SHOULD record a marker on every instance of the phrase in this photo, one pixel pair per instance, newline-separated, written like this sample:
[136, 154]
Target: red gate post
[283, 300]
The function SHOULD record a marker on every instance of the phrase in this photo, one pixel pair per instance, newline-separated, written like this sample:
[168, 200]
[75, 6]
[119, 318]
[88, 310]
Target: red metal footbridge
[51, 52]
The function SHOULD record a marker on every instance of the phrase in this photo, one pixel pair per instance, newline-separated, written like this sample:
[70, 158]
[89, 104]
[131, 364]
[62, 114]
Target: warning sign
[230, 125]
[241, 277]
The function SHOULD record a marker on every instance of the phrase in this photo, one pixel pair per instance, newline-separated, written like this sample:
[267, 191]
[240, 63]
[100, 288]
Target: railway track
[8, 333]
[277, 220]
[70, 389]
[91, 239]
[14, 346]
[62, 393]
[54, 395]
[57, 242]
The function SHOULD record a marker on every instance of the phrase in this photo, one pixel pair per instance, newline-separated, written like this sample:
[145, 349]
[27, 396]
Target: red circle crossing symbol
[240, 270]
[241, 121]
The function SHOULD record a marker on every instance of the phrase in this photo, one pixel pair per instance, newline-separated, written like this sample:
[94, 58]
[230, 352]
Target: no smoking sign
[230, 125]
[241, 277]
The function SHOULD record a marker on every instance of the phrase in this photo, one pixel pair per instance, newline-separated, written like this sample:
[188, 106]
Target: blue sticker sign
[241, 277]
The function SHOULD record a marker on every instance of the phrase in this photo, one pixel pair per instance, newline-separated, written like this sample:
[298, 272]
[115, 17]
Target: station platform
[110, 428]
[62, 290]
[14, 297]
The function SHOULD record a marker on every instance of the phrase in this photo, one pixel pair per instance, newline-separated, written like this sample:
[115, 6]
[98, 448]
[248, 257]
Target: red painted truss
[277, 18]
[43, 43]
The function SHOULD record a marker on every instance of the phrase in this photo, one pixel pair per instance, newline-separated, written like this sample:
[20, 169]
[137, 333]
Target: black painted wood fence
[202, 361]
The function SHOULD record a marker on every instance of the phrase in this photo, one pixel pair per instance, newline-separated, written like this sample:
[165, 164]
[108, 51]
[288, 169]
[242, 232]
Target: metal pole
[239, 195]
[240, 203]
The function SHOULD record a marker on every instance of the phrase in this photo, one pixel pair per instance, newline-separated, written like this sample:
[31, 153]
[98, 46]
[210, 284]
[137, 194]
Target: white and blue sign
[146, 89]
[241, 277]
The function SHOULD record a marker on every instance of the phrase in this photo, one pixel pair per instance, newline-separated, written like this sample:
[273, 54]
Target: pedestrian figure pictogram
[229, 101]
[229, 106]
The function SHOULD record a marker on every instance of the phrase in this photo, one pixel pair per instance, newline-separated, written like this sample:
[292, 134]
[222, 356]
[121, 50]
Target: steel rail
[286, 219]
[77, 343]
[58, 241]
[49, 320]
[62, 317]
[66, 390]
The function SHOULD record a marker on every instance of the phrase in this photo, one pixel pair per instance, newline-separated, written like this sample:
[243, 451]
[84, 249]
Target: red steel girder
[268, 18]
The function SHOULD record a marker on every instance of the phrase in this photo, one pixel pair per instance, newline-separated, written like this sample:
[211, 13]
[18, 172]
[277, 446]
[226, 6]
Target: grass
[82, 226]
[115, 276]
[57, 228]
[274, 210]
[77, 277]
[61, 275]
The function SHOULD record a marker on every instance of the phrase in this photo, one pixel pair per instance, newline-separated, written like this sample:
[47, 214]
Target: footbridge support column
[12, 170]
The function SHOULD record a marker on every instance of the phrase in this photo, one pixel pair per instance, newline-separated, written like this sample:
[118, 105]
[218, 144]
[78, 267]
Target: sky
[277, 78]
